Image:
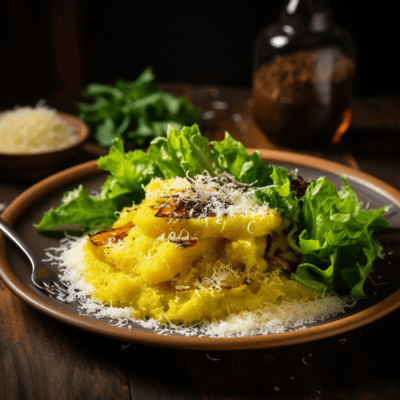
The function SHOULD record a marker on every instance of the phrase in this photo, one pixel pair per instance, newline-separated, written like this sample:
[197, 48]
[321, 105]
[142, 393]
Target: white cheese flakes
[272, 318]
[219, 196]
[33, 130]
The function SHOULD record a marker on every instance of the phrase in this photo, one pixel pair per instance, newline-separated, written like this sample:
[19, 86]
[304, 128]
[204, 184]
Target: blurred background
[55, 47]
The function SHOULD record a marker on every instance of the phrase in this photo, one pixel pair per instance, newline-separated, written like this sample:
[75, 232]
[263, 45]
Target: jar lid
[309, 15]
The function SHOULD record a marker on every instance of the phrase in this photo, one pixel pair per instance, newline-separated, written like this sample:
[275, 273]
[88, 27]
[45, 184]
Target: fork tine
[53, 289]
[61, 287]
[50, 291]
[43, 278]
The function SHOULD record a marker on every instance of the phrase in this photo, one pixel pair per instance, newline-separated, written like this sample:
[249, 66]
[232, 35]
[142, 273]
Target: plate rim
[19, 205]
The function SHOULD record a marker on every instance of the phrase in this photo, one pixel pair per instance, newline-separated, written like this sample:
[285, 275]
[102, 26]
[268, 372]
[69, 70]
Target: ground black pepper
[301, 98]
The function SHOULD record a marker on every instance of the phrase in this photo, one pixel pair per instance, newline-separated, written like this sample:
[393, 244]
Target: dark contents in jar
[300, 98]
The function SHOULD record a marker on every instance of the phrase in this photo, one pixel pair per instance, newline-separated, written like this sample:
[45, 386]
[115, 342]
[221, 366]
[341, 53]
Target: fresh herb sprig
[135, 111]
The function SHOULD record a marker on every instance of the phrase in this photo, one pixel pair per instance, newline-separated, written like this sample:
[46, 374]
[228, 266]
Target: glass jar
[303, 77]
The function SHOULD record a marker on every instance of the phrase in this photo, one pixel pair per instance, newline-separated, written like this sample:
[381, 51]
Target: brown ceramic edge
[19, 205]
[83, 132]
[95, 149]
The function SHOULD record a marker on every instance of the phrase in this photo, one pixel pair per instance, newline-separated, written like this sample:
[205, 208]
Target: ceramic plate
[383, 289]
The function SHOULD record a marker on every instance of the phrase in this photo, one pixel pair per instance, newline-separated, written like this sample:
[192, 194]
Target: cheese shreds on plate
[272, 318]
[192, 259]
[36, 129]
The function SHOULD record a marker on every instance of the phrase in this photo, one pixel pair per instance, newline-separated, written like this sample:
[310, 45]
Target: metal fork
[42, 277]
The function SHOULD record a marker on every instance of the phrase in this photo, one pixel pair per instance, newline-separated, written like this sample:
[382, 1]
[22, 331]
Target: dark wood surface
[41, 358]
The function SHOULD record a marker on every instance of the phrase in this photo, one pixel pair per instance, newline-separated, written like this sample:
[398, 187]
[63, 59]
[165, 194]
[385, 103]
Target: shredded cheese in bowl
[27, 130]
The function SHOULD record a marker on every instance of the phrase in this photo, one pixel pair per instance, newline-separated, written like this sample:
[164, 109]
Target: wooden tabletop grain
[41, 358]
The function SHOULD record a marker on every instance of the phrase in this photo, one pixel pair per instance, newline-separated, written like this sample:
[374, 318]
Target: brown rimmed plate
[383, 289]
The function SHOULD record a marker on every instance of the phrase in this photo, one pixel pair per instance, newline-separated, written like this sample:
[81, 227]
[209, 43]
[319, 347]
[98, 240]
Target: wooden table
[41, 358]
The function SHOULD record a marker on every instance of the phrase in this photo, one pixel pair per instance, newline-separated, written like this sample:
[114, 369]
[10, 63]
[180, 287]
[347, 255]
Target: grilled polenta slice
[169, 260]
[154, 260]
[193, 250]
[177, 205]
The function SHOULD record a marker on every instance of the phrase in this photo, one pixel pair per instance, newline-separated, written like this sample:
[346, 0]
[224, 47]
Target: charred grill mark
[113, 235]
[184, 242]
[184, 209]
[157, 205]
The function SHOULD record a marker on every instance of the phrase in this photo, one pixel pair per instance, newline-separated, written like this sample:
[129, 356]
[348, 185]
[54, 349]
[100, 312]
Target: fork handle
[16, 239]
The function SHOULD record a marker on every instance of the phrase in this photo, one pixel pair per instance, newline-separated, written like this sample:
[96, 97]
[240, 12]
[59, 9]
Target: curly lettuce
[328, 228]
[334, 237]
[182, 153]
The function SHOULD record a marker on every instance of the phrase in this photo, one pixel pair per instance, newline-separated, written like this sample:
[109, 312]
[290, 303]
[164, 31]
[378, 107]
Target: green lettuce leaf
[279, 196]
[88, 211]
[232, 158]
[183, 152]
[329, 228]
[335, 239]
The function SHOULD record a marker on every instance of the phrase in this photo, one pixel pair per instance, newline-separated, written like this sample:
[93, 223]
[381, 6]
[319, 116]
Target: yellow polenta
[193, 250]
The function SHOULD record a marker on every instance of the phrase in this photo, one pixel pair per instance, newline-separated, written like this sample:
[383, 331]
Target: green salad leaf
[134, 111]
[335, 239]
[182, 153]
[279, 195]
[328, 228]
[79, 208]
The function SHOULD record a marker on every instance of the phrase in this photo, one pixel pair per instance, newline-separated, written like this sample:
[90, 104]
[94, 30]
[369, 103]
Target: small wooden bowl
[40, 165]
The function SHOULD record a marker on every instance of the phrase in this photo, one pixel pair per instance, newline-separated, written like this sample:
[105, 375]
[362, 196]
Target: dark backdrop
[56, 46]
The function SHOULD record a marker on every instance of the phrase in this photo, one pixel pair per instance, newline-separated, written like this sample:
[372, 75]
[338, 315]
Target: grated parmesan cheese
[192, 263]
[271, 318]
[37, 129]
[221, 195]
[230, 268]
